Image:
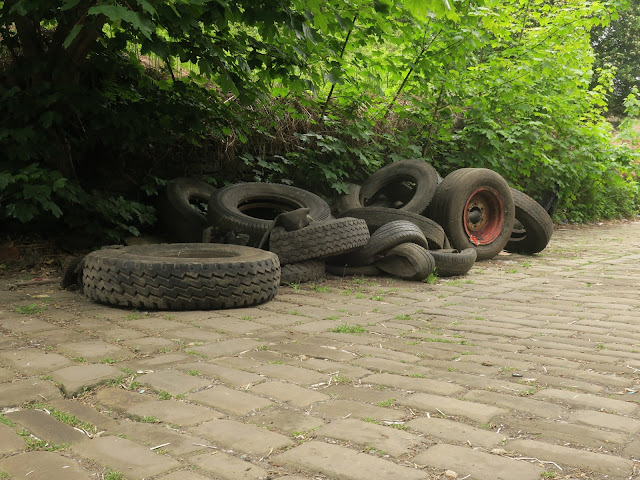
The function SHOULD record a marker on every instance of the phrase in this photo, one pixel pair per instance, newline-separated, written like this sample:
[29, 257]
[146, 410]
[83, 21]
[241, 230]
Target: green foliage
[347, 328]
[31, 309]
[104, 101]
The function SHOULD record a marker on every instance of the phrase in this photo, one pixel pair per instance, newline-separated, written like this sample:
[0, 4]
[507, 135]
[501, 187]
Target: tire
[376, 217]
[536, 223]
[417, 171]
[453, 263]
[475, 207]
[319, 240]
[177, 214]
[250, 207]
[72, 277]
[408, 261]
[345, 270]
[383, 239]
[302, 272]
[181, 276]
[347, 201]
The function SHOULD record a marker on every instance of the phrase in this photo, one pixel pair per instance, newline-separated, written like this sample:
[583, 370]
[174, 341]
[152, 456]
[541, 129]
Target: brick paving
[526, 368]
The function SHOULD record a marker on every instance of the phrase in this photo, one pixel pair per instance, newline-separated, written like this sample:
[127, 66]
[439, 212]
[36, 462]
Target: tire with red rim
[476, 209]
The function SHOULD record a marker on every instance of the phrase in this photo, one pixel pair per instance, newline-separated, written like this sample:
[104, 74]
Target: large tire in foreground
[181, 276]
[251, 207]
[536, 223]
[177, 213]
[319, 240]
[423, 175]
[376, 217]
[453, 263]
[475, 207]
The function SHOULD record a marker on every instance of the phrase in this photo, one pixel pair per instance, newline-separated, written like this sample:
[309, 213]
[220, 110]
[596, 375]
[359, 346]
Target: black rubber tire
[345, 270]
[302, 272]
[408, 261]
[453, 263]
[182, 276]
[452, 202]
[250, 207]
[417, 171]
[72, 277]
[319, 240]
[383, 239]
[376, 217]
[536, 222]
[347, 201]
[176, 214]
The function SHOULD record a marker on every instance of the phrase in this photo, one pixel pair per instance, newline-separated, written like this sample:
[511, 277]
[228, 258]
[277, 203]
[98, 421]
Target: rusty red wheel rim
[483, 216]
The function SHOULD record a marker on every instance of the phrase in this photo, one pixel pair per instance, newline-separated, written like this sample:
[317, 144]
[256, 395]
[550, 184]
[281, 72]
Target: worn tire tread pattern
[319, 240]
[157, 277]
[454, 263]
[302, 272]
[407, 260]
[538, 226]
[376, 217]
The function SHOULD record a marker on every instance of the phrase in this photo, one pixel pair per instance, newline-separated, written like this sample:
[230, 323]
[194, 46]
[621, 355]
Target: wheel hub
[483, 216]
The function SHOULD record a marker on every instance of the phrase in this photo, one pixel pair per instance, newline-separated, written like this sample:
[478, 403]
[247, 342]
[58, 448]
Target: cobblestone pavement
[527, 368]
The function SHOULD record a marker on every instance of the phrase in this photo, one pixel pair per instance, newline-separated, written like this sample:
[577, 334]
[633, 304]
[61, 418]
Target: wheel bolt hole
[475, 215]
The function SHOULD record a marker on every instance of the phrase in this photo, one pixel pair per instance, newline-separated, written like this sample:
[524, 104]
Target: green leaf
[68, 5]
[117, 12]
[72, 35]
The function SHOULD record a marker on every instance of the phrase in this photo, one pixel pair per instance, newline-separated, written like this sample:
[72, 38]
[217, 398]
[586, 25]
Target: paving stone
[27, 390]
[229, 400]
[452, 431]
[242, 437]
[235, 326]
[346, 408]
[227, 467]
[94, 351]
[43, 466]
[174, 412]
[384, 353]
[632, 449]
[392, 366]
[607, 464]
[329, 352]
[119, 334]
[124, 455]
[481, 466]
[579, 399]
[605, 420]
[26, 325]
[77, 379]
[153, 324]
[327, 366]
[593, 377]
[340, 462]
[174, 382]
[46, 427]
[160, 361]
[10, 441]
[6, 375]
[153, 435]
[149, 345]
[31, 361]
[184, 475]
[226, 347]
[414, 384]
[83, 412]
[565, 432]
[297, 375]
[362, 393]
[287, 392]
[387, 439]
[285, 421]
[119, 400]
[193, 334]
[230, 376]
[435, 404]
[521, 404]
